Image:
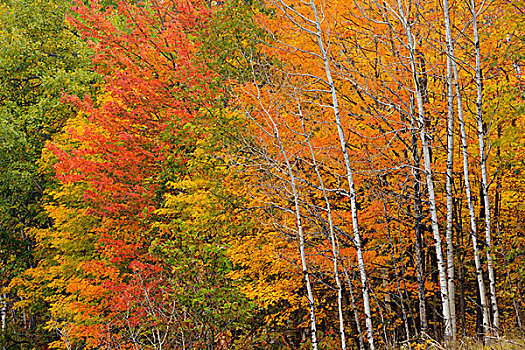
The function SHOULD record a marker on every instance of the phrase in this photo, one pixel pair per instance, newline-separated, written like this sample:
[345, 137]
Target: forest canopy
[279, 174]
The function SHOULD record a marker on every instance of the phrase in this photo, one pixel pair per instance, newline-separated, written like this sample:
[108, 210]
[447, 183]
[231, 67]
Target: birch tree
[333, 239]
[411, 45]
[407, 15]
[297, 211]
[450, 174]
[310, 25]
[453, 70]
[483, 154]
[349, 172]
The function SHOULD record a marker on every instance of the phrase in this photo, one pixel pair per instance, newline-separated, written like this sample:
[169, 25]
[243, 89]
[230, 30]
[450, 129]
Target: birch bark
[483, 163]
[466, 174]
[302, 249]
[323, 53]
[275, 134]
[333, 240]
[417, 230]
[411, 46]
[4, 312]
[450, 182]
[306, 275]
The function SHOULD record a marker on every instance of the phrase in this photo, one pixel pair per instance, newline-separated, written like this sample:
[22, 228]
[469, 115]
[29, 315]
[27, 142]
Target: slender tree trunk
[462, 297]
[450, 177]
[429, 178]
[483, 163]
[297, 212]
[3, 313]
[354, 308]
[461, 263]
[418, 213]
[452, 64]
[303, 254]
[433, 211]
[323, 55]
[472, 214]
[349, 173]
[333, 240]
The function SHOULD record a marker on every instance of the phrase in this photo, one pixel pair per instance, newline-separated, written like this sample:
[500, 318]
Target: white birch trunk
[302, 252]
[4, 313]
[349, 173]
[297, 212]
[483, 164]
[450, 181]
[301, 243]
[411, 45]
[333, 240]
[466, 174]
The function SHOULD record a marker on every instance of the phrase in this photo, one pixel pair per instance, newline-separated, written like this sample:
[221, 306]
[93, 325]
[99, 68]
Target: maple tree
[116, 164]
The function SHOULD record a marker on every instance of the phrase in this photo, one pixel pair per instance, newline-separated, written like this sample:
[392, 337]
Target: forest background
[282, 174]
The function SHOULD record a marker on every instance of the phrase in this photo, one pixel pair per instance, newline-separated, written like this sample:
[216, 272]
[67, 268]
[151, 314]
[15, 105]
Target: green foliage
[41, 58]
[199, 215]
[231, 44]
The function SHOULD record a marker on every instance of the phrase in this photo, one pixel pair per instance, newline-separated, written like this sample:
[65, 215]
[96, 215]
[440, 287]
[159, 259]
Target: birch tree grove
[283, 174]
[424, 58]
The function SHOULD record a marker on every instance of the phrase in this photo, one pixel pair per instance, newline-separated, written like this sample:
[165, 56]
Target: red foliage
[142, 121]
[151, 93]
